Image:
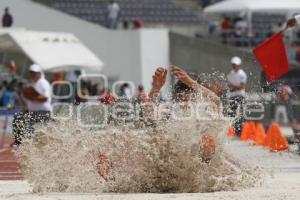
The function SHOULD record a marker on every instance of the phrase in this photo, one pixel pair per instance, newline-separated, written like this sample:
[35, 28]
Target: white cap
[236, 60]
[35, 68]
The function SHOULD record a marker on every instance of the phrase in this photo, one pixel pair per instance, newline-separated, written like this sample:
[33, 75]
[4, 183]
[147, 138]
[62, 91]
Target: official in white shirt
[37, 99]
[237, 79]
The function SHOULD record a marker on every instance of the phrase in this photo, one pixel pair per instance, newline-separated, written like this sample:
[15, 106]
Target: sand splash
[62, 157]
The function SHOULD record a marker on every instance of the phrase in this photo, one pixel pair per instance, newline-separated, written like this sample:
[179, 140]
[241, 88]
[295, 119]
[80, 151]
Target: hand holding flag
[292, 22]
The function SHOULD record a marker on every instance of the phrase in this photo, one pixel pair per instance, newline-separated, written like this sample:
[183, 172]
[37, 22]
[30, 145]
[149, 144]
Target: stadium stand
[150, 11]
[263, 22]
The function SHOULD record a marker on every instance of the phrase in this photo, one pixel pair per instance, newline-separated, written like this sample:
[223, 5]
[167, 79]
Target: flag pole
[285, 28]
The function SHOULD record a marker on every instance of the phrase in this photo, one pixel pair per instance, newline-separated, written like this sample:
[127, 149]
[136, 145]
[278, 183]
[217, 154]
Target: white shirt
[236, 78]
[43, 87]
[113, 11]
[241, 27]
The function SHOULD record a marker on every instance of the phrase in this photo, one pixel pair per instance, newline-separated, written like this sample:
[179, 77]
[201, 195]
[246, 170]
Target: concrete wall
[202, 56]
[121, 51]
[155, 52]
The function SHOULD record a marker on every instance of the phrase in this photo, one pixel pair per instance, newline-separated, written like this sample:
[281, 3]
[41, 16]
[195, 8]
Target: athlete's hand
[159, 78]
[181, 75]
[291, 23]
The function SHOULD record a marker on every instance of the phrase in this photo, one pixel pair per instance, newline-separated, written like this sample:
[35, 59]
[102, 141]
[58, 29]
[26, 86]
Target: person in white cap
[37, 99]
[237, 79]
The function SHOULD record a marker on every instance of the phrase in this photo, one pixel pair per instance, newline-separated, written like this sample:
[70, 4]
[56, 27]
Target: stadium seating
[150, 11]
[263, 22]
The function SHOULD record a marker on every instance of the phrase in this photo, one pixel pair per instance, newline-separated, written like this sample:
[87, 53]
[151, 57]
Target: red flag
[272, 57]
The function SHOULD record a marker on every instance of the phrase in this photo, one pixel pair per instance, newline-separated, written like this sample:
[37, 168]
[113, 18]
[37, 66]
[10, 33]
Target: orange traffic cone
[275, 140]
[231, 132]
[260, 135]
[248, 131]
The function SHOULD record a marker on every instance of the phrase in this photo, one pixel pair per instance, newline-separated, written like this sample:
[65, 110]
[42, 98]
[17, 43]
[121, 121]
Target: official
[37, 99]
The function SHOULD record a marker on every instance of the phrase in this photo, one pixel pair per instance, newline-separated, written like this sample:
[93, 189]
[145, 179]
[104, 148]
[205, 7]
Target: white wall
[155, 53]
[126, 54]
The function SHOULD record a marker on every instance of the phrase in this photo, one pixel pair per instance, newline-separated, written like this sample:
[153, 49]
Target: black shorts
[23, 124]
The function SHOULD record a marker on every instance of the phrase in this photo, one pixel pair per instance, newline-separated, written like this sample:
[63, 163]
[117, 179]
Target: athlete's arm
[31, 94]
[158, 81]
[181, 75]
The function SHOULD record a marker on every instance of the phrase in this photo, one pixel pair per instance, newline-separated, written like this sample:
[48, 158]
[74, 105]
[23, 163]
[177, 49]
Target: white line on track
[8, 161]
[8, 173]
[4, 149]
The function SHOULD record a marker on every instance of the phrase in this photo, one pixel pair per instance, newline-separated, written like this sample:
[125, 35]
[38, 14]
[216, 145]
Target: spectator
[83, 92]
[2, 90]
[4, 87]
[142, 94]
[107, 98]
[240, 31]
[125, 91]
[12, 68]
[38, 102]
[284, 96]
[212, 27]
[60, 88]
[5, 84]
[138, 23]
[236, 82]
[124, 111]
[113, 11]
[58, 76]
[7, 19]
[139, 99]
[293, 55]
[297, 55]
[266, 84]
[72, 77]
[125, 25]
[225, 29]
[10, 97]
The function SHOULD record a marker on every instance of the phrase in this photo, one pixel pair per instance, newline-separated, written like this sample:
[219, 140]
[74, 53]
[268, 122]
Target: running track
[9, 166]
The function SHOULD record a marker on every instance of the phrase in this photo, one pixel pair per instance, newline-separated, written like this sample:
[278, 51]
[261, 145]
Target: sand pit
[165, 159]
[282, 182]
[60, 162]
